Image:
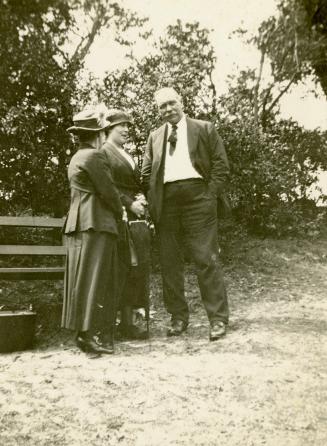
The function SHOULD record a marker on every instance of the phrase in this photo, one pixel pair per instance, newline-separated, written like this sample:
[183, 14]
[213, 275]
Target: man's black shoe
[177, 328]
[217, 330]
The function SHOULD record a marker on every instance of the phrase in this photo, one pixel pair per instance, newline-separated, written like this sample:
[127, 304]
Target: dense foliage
[184, 58]
[296, 41]
[34, 103]
[39, 78]
[273, 161]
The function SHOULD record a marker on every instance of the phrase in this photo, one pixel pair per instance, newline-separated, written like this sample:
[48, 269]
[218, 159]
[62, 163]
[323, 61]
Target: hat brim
[75, 129]
[122, 121]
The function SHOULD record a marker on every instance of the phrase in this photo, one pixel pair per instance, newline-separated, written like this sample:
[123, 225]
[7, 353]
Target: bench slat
[53, 273]
[34, 273]
[39, 222]
[32, 250]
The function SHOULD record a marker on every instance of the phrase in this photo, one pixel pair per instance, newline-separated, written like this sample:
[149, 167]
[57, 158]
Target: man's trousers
[189, 223]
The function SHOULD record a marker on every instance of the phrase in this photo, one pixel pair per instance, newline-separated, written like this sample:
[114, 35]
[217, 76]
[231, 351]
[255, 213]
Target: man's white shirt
[178, 166]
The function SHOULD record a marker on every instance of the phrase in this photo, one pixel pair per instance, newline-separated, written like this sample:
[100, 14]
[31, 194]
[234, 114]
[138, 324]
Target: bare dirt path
[263, 384]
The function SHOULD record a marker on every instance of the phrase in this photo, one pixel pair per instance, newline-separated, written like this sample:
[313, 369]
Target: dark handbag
[135, 243]
[140, 240]
[126, 248]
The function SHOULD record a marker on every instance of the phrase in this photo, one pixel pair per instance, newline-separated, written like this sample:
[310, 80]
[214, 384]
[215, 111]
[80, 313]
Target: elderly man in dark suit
[184, 170]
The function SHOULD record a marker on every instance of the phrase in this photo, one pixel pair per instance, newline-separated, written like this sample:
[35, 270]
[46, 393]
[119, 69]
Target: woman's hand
[137, 207]
[141, 198]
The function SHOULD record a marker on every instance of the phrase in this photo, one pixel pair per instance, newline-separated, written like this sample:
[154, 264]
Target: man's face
[170, 108]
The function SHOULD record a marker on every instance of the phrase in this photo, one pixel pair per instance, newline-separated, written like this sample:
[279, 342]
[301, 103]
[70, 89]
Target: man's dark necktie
[172, 139]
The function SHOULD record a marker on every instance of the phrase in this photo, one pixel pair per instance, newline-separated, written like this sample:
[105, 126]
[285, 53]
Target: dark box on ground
[17, 330]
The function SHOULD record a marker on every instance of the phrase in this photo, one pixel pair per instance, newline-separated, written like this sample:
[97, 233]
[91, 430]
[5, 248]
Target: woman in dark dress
[134, 271]
[91, 279]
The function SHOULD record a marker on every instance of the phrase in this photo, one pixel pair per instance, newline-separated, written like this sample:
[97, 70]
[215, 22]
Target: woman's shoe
[132, 332]
[107, 342]
[127, 329]
[89, 345]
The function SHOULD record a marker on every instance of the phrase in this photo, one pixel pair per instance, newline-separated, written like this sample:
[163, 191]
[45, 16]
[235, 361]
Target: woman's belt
[88, 188]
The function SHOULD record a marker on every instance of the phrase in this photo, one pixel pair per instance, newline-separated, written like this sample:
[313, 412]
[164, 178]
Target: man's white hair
[164, 92]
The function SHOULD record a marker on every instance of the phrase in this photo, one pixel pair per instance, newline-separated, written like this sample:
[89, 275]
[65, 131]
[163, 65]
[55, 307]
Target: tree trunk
[321, 73]
[317, 14]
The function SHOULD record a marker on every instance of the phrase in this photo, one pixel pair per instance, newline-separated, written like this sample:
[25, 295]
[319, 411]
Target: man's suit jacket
[95, 202]
[207, 154]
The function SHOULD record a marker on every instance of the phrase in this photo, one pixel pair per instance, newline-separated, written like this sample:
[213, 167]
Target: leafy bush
[272, 165]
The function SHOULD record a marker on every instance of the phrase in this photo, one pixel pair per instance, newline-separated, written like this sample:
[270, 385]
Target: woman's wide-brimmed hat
[116, 117]
[91, 119]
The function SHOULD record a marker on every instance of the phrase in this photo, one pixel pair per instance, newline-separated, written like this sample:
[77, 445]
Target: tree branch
[86, 42]
[285, 53]
[257, 86]
[284, 90]
[296, 42]
[265, 99]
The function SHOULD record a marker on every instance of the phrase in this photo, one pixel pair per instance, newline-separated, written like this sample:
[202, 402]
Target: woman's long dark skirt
[91, 281]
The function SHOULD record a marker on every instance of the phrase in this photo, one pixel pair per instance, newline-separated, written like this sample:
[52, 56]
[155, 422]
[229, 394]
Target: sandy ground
[263, 384]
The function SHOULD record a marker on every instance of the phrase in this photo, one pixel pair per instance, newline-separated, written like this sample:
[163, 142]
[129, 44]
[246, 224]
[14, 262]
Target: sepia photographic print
[163, 222]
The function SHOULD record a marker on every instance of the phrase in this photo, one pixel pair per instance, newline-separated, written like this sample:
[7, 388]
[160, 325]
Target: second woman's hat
[116, 116]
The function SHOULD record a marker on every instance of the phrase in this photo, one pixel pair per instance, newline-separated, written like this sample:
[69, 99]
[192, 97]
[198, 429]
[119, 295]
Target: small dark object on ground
[17, 330]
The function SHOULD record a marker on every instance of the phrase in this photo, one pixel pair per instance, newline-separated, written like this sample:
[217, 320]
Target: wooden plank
[38, 222]
[53, 273]
[32, 250]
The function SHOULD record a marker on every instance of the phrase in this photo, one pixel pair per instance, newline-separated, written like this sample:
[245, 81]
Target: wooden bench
[32, 273]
